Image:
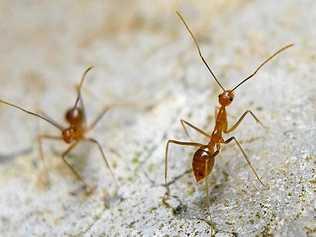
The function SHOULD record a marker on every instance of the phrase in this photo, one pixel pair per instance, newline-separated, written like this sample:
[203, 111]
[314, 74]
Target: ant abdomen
[202, 164]
[75, 116]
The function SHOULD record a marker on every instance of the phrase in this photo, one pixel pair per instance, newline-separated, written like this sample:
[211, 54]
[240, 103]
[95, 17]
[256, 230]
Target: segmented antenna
[83, 77]
[34, 114]
[261, 65]
[198, 48]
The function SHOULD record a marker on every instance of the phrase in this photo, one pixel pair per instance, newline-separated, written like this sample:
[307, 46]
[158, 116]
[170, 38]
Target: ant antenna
[264, 62]
[83, 77]
[198, 48]
[34, 114]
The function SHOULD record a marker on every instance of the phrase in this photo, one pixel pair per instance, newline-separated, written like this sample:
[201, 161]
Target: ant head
[75, 116]
[226, 97]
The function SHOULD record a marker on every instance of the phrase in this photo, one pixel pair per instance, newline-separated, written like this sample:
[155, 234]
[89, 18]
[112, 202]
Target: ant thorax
[73, 133]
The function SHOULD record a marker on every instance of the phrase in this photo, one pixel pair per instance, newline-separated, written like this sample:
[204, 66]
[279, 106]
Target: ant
[204, 156]
[74, 133]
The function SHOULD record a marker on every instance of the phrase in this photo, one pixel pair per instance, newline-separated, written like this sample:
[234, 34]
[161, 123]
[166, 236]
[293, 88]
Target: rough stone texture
[143, 54]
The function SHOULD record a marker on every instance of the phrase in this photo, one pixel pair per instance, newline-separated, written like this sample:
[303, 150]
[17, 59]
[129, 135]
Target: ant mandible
[74, 133]
[204, 157]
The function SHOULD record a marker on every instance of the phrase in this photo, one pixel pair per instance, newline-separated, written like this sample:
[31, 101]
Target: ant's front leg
[240, 119]
[44, 180]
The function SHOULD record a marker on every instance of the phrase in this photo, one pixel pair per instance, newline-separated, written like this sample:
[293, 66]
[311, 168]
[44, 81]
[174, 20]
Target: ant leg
[215, 112]
[104, 158]
[99, 117]
[184, 122]
[206, 179]
[240, 119]
[167, 193]
[207, 192]
[166, 156]
[245, 156]
[41, 153]
[65, 153]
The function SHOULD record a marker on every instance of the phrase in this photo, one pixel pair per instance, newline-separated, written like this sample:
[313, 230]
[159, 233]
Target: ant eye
[231, 98]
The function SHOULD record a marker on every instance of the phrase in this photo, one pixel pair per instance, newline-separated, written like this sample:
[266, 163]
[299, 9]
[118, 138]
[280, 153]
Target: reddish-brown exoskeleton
[204, 157]
[74, 133]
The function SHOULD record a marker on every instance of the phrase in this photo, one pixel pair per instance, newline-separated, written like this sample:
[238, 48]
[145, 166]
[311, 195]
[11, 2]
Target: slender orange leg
[206, 189]
[166, 155]
[98, 117]
[211, 156]
[184, 122]
[41, 153]
[76, 173]
[240, 119]
[167, 193]
[215, 112]
[104, 158]
[245, 156]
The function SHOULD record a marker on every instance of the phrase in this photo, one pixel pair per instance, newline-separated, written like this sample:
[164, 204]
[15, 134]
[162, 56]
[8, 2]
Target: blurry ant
[204, 157]
[74, 133]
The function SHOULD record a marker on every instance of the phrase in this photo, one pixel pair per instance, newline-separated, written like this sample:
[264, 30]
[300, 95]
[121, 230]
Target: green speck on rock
[135, 160]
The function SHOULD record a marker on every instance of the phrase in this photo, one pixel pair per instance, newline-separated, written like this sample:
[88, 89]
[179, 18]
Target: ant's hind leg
[167, 193]
[245, 156]
[194, 144]
[241, 118]
[76, 173]
[44, 179]
[184, 122]
[207, 194]
[104, 158]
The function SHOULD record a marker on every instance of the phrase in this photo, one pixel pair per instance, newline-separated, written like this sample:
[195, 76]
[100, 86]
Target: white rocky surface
[143, 54]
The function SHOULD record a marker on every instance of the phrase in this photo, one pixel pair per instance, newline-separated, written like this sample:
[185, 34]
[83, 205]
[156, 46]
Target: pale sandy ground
[142, 54]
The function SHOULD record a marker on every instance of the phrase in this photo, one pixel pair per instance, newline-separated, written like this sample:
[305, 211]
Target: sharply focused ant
[74, 133]
[204, 157]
